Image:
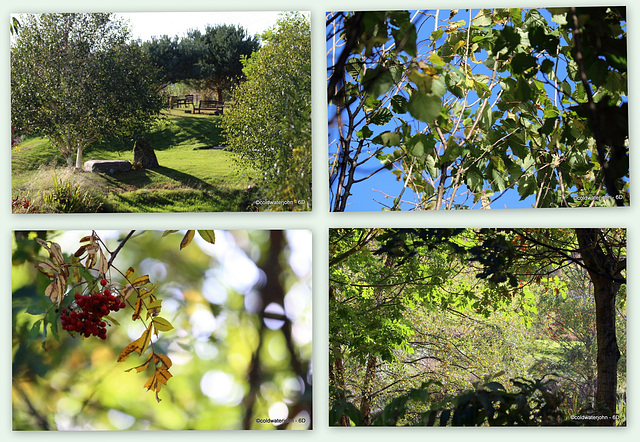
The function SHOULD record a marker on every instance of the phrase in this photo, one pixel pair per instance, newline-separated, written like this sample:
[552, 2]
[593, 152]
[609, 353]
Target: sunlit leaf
[162, 324]
[138, 346]
[208, 235]
[186, 240]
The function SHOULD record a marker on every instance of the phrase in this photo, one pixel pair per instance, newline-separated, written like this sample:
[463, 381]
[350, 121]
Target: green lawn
[194, 175]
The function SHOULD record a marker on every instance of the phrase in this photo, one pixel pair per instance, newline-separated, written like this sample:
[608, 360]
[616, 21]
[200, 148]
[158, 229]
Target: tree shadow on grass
[184, 200]
[144, 178]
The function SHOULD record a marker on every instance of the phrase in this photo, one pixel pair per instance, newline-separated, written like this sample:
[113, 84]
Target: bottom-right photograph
[477, 327]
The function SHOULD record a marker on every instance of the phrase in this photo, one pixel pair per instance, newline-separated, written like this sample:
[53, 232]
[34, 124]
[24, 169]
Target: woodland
[477, 327]
[152, 330]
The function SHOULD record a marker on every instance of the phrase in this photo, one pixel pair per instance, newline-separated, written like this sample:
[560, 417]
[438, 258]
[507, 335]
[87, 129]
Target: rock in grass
[107, 166]
[144, 154]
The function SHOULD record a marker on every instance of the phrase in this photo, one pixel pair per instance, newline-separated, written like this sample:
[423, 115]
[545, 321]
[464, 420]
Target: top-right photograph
[477, 109]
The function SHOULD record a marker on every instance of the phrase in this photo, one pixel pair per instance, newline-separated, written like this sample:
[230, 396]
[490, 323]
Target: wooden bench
[211, 105]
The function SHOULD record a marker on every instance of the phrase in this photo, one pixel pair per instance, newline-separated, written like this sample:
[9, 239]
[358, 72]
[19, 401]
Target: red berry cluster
[86, 317]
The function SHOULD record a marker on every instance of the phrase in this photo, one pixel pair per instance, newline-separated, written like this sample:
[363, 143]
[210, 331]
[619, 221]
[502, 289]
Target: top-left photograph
[160, 112]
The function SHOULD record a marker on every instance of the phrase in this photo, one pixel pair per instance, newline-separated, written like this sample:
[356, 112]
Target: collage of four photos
[476, 307]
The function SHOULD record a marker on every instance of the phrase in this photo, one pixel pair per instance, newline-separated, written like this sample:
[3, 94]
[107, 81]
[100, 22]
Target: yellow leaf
[136, 309]
[154, 307]
[142, 367]
[167, 232]
[162, 324]
[161, 375]
[187, 239]
[208, 235]
[139, 345]
[141, 281]
[128, 273]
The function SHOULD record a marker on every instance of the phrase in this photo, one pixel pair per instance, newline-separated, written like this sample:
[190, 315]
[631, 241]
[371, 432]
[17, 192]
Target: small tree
[270, 122]
[76, 78]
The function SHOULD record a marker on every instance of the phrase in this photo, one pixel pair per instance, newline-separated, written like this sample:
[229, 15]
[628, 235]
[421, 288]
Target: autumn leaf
[103, 264]
[186, 240]
[55, 291]
[161, 374]
[167, 232]
[136, 309]
[55, 269]
[139, 282]
[142, 367]
[139, 345]
[154, 307]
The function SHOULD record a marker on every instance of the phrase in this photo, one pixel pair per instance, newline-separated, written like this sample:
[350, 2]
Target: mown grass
[194, 174]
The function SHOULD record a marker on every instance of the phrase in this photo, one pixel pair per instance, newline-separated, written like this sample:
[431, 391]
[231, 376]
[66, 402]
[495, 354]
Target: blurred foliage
[237, 361]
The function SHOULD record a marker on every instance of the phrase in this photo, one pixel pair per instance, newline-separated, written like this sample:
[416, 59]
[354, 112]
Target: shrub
[67, 196]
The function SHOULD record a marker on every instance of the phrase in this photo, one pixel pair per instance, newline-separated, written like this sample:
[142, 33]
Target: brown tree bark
[367, 390]
[605, 271]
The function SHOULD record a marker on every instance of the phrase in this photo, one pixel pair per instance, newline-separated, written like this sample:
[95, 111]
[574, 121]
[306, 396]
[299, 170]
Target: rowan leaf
[136, 309]
[162, 324]
[55, 290]
[129, 272]
[103, 264]
[139, 345]
[139, 282]
[80, 251]
[186, 240]
[142, 367]
[161, 374]
[168, 232]
[208, 235]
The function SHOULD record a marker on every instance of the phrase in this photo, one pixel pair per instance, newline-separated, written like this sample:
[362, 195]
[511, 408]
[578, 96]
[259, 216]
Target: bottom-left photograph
[161, 330]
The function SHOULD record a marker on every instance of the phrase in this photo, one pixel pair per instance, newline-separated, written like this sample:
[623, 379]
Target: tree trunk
[367, 390]
[605, 272]
[78, 159]
[338, 372]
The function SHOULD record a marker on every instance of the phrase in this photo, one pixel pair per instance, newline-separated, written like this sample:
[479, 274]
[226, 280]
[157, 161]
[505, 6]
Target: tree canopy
[477, 108]
[209, 60]
[76, 78]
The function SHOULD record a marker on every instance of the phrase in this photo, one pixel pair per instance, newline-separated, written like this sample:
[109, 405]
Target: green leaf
[378, 81]
[474, 179]
[380, 117]
[399, 104]
[424, 107]
[482, 18]
[388, 138]
[208, 235]
[162, 324]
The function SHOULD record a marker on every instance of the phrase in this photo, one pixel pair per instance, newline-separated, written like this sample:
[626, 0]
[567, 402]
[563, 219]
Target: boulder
[144, 154]
[107, 166]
